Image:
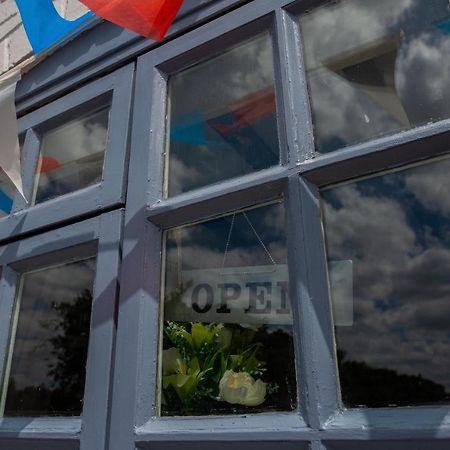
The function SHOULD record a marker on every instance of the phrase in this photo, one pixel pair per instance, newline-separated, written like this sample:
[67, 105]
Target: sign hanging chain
[257, 237]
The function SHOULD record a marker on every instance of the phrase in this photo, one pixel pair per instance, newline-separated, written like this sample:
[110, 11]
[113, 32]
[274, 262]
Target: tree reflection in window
[48, 363]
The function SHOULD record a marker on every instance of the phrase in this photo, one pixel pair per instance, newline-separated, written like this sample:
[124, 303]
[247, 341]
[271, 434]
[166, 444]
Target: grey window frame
[321, 421]
[148, 214]
[115, 90]
[100, 237]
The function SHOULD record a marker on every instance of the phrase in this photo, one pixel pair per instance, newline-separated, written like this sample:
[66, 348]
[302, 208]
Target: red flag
[149, 18]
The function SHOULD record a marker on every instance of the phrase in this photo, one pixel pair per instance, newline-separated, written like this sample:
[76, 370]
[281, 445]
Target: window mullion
[296, 110]
[309, 293]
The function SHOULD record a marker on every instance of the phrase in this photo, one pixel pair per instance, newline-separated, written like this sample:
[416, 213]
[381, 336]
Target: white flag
[9, 140]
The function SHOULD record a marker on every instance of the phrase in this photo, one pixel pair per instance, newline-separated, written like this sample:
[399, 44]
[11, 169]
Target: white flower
[173, 362]
[240, 388]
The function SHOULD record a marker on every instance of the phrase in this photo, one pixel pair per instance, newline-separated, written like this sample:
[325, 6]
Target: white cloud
[402, 284]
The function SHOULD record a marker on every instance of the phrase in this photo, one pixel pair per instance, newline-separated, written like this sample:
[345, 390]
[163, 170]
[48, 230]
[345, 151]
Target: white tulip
[240, 388]
[173, 362]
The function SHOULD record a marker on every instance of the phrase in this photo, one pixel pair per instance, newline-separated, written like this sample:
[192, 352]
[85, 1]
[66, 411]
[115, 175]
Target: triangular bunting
[149, 18]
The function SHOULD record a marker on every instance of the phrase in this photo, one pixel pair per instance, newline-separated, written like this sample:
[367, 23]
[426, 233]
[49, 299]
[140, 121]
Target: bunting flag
[193, 130]
[10, 154]
[43, 25]
[149, 18]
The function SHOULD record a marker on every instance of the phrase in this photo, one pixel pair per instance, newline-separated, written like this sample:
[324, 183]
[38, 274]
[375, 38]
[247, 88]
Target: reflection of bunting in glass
[149, 18]
[244, 124]
[10, 151]
[192, 130]
[43, 25]
[48, 163]
[443, 26]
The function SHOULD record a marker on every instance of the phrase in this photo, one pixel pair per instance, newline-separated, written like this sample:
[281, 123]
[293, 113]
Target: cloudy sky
[204, 97]
[375, 68]
[396, 230]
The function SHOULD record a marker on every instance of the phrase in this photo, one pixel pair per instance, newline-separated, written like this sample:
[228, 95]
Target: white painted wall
[14, 46]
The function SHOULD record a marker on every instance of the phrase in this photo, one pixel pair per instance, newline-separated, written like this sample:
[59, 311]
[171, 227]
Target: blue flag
[43, 25]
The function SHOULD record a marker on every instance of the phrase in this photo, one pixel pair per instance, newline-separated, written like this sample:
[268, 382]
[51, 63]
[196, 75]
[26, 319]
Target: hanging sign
[252, 295]
[149, 18]
[10, 149]
[43, 25]
[256, 294]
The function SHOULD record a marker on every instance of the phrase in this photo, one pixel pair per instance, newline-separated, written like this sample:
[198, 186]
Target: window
[391, 230]
[71, 156]
[57, 331]
[283, 259]
[226, 127]
[227, 330]
[74, 156]
[203, 214]
[368, 81]
[49, 343]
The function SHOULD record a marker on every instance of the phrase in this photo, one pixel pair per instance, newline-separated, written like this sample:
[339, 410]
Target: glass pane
[391, 236]
[222, 119]
[227, 345]
[72, 156]
[50, 341]
[376, 67]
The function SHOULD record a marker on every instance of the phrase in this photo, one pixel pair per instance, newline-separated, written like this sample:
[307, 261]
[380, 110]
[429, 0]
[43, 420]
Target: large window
[237, 237]
[290, 246]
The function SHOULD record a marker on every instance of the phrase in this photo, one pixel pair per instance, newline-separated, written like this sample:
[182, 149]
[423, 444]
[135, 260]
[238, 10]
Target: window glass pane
[390, 235]
[227, 345]
[376, 67]
[72, 156]
[50, 341]
[222, 120]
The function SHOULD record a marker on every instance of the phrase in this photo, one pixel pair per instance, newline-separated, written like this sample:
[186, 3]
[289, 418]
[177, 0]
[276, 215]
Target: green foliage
[208, 350]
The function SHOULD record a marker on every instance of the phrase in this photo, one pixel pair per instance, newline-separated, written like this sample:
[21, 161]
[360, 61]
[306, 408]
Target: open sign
[257, 294]
[251, 295]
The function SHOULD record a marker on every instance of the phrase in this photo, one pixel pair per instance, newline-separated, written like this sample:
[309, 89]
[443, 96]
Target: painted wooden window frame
[98, 237]
[114, 90]
[321, 421]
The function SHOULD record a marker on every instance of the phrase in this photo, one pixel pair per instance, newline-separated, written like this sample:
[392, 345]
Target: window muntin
[49, 342]
[228, 345]
[376, 68]
[394, 230]
[72, 156]
[222, 118]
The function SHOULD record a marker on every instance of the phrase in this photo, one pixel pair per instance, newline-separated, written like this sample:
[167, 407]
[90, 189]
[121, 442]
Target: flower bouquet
[213, 368]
